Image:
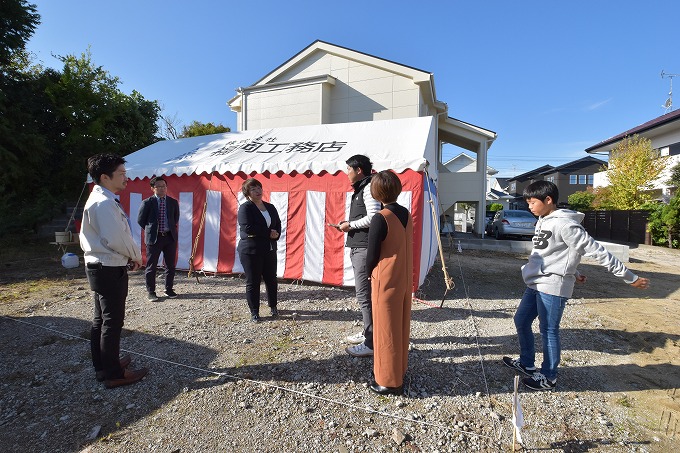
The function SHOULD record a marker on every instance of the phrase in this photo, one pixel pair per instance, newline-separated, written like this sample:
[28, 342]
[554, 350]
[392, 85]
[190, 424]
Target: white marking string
[238, 378]
[474, 324]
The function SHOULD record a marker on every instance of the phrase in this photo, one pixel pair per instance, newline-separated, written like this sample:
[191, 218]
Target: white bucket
[70, 260]
[61, 237]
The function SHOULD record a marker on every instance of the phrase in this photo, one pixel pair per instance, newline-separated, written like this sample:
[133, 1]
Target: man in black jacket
[159, 215]
[362, 208]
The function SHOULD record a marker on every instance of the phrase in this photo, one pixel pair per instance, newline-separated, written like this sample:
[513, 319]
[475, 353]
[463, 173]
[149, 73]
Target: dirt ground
[617, 340]
[647, 325]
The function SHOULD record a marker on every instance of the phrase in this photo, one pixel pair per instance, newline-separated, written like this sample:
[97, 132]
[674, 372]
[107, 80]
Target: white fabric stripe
[280, 201]
[211, 235]
[348, 270]
[405, 199]
[135, 203]
[238, 267]
[429, 234]
[315, 218]
[184, 229]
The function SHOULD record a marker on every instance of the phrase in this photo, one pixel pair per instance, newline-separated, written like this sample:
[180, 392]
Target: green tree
[18, 20]
[664, 222]
[674, 180]
[582, 200]
[197, 128]
[96, 118]
[494, 207]
[633, 167]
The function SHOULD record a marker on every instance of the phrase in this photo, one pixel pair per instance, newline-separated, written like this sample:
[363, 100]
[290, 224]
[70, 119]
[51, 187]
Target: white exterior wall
[360, 93]
[658, 141]
[293, 106]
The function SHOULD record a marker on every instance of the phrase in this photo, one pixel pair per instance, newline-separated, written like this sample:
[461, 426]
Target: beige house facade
[664, 134]
[329, 84]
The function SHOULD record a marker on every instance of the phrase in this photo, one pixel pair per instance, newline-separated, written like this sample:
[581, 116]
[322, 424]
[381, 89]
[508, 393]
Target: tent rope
[435, 220]
[192, 268]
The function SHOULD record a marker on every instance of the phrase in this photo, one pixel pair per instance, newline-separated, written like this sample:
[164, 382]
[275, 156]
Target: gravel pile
[221, 383]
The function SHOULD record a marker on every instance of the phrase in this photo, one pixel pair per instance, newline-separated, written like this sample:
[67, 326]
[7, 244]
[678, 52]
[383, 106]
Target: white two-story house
[664, 133]
[328, 84]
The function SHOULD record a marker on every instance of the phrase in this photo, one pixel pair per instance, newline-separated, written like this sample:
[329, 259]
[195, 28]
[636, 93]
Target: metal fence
[624, 226]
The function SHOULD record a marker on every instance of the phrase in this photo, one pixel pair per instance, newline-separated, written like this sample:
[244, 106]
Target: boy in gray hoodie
[559, 242]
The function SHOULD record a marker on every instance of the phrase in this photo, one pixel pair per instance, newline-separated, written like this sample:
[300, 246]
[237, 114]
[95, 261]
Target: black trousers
[168, 246]
[110, 286]
[260, 267]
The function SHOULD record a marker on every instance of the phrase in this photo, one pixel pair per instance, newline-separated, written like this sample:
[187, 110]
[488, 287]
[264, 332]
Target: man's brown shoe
[130, 377]
[124, 363]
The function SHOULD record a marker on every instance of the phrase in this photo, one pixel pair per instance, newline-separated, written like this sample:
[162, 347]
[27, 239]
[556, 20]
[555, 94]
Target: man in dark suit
[159, 215]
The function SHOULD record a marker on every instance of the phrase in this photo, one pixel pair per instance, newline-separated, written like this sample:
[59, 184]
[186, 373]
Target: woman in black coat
[260, 229]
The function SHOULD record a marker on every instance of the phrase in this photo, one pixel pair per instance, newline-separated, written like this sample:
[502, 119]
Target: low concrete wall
[622, 252]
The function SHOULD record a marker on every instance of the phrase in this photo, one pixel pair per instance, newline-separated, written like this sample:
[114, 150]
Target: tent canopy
[391, 144]
[303, 174]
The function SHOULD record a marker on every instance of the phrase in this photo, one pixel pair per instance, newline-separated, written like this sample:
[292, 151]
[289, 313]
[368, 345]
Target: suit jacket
[254, 230]
[148, 218]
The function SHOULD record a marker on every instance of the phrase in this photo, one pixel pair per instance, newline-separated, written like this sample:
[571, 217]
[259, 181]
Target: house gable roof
[422, 78]
[462, 156]
[418, 75]
[575, 165]
[530, 173]
[662, 120]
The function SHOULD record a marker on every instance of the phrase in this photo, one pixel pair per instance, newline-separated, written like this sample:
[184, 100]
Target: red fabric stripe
[295, 238]
[334, 247]
[230, 186]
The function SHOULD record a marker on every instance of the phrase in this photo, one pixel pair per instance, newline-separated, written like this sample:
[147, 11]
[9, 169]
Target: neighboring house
[517, 184]
[664, 133]
[495, 193]
[327, 84]
[574, 176]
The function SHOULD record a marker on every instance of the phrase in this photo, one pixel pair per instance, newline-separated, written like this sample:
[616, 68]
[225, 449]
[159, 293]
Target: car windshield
[522, 214]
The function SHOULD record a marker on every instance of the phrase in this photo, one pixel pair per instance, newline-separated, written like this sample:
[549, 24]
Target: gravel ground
[221, 383]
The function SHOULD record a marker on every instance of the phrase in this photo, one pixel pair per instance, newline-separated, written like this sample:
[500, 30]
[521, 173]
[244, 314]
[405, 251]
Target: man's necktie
[161, 215]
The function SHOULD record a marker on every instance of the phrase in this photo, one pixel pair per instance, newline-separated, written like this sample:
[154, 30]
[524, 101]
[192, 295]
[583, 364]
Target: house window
[513, 187]
[665, 151]
[550, 178]
[573, 179]
[581, 179]
[590, 179]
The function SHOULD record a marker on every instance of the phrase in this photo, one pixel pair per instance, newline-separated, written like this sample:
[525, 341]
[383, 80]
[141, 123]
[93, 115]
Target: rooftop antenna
[668, 105]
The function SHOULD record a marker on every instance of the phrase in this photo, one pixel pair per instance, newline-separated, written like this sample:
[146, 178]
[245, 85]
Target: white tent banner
[392, 144]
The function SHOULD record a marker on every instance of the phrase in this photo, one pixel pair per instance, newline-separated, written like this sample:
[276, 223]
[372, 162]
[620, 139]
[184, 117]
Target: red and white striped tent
[303, 173]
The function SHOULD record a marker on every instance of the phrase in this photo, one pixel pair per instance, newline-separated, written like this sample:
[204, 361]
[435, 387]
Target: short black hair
[155, 179]
[541, 190]
[360, 161]
[103, 164]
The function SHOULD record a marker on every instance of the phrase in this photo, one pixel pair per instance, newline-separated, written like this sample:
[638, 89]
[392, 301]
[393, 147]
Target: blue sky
[550, 78]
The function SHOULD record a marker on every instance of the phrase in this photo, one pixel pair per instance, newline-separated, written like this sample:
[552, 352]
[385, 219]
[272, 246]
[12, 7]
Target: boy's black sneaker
[515, 363]
[539, 382]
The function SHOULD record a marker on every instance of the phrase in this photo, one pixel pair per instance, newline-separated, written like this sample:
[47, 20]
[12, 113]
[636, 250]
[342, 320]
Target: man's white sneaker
[359, 350]
[538, 381]
[356, 338]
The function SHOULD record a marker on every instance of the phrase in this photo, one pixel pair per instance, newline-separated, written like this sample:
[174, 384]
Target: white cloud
[597, 105]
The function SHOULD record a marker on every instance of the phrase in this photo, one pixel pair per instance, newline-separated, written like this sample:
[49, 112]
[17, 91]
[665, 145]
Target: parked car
[488, 222]
[512, 222]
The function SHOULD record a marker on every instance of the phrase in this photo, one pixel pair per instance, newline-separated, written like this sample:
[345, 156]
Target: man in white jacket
[559, 242]
[106, 240]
